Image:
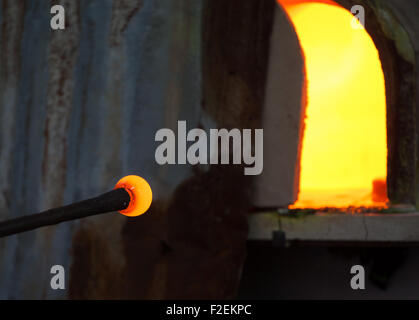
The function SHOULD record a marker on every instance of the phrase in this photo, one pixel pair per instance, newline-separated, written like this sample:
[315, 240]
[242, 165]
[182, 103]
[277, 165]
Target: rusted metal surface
[10, 50]
[236, 41]
[79, 108]
[192, 242]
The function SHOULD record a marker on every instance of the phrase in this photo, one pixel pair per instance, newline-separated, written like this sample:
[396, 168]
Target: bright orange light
[140, 193]
[344, 146]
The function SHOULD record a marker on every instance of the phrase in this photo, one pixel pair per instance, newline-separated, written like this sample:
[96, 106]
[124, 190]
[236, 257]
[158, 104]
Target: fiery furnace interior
[344, 147]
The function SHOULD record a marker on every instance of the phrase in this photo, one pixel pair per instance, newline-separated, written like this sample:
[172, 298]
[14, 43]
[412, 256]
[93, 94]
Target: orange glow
[344, 148]
[140, 193]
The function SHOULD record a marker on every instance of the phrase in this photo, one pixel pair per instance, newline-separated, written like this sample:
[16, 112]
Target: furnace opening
[344, 145]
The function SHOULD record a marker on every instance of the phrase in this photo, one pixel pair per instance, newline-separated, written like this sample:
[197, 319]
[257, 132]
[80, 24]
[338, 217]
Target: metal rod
[114, 200]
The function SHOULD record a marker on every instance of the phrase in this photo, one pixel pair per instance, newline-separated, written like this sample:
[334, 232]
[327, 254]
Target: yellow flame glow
[344, 146]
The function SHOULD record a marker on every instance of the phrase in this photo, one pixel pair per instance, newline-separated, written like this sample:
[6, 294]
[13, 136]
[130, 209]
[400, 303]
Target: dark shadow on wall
[324, 273]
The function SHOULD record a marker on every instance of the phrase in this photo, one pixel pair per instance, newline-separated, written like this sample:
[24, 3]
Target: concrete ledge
[398, 227]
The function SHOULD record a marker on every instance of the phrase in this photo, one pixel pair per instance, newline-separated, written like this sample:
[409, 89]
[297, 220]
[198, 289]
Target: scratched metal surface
[78, 109]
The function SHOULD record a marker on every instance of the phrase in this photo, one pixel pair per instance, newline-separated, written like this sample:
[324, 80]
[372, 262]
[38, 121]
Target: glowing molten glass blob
[344, 149]
[140, 194]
